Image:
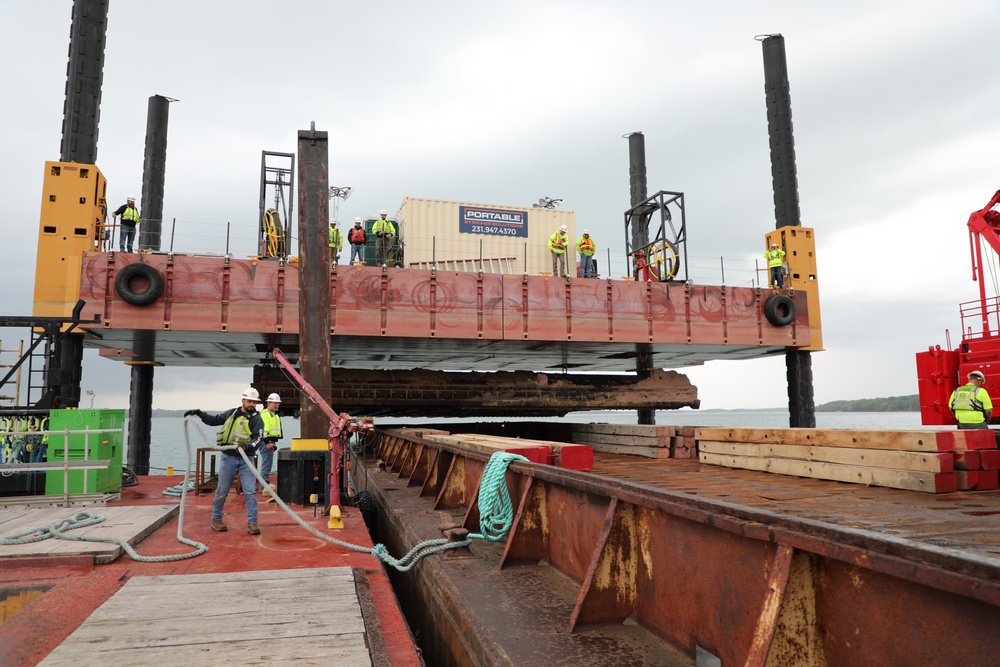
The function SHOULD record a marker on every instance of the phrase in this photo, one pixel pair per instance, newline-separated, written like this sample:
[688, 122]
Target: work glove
[193, 413]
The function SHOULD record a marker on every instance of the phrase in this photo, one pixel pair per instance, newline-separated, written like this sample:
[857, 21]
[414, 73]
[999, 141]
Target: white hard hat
[563, 228]
[274, 398]
[586, 231]
[774, 245]
[251, 395]
[382, 212]
[977, 374]
[357, 220]
[333, 221]
[130, 198]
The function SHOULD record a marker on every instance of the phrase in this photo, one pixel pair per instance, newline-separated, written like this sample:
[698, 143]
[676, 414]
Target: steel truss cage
[662, 253]
[274, 237]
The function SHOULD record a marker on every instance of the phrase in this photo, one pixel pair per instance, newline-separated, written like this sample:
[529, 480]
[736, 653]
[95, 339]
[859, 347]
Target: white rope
[84, 518]
[403, 564]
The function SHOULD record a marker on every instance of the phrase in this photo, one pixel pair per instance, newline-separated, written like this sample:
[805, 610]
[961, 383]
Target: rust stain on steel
[796, 640]
[773, 600]
[529, 534]
[435, 476]
[608, 593]
[421, 462]
[452, 494]
[576, 519]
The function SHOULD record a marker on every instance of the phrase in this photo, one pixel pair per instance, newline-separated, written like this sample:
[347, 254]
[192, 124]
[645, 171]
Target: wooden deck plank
[897, 479]
[877, 458]
[913, 441]
[643, 430]
[309, 617]
[132, 523]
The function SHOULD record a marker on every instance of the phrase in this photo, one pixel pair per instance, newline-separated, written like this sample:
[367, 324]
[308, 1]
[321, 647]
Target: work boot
[218, 526]
[253, 529]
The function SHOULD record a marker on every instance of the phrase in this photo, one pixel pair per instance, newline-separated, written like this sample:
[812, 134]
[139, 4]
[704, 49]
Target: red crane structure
[940, 371]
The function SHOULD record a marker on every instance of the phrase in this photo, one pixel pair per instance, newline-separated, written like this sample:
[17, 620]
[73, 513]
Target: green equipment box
[98, 446]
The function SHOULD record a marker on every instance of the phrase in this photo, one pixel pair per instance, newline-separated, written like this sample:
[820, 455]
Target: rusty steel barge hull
[665, 561]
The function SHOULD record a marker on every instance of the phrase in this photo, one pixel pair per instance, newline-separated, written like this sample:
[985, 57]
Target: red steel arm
[984, 223]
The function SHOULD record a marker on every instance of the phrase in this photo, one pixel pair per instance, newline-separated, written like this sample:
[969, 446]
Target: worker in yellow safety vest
[384, 232]
[336, 242]
[586, 247]
[130, 218]
[241, 427]
[557, 246]
[775, 259]
[971, 404]
[272, 434]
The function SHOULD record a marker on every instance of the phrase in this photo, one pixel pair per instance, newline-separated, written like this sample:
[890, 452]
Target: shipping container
[462, 236]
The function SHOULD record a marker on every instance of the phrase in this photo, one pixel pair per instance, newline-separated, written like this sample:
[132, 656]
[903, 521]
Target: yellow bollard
[170, 471]
[335, 521]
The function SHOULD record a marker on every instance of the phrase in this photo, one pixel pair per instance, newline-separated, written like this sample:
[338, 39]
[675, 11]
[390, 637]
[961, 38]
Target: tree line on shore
[888, 404]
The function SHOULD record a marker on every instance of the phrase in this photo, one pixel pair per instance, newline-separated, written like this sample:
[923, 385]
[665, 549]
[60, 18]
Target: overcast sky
[895, 111]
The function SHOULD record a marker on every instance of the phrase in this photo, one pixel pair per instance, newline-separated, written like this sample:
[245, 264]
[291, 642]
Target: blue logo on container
[494, 221]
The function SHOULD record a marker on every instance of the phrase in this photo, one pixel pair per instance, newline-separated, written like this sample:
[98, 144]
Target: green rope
[496, 514]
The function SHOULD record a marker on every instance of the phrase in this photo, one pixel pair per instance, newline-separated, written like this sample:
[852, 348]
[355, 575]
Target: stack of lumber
[932, 461]
[655, 442]
[561, 454]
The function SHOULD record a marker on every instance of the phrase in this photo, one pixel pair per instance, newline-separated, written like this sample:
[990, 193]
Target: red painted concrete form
[217, 299]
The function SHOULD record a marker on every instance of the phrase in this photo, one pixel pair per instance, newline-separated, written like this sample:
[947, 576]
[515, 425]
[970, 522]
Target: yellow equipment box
[309, 444]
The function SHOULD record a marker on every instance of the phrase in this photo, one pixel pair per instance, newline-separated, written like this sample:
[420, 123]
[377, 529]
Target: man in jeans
[130, 218]
[243, 428]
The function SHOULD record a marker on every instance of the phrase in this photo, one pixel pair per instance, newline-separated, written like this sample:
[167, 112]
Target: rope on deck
[495, 512]
[59, 529]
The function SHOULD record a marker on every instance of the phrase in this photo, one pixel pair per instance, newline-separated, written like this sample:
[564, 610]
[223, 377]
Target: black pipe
[640, 239]
[798, 363]
[84, 77]
[154, 172]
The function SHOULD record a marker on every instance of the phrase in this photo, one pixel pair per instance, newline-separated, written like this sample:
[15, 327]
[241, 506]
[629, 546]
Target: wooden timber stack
[932, 461]
[656, 442]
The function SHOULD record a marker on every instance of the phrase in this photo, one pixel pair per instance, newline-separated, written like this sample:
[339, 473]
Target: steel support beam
[314, 276]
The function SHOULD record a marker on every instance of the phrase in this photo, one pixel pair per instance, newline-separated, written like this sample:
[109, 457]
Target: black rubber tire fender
[145, 274]
[779, 310]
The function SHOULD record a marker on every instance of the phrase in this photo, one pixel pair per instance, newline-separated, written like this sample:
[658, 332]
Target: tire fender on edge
[779, 310]
[153, 280]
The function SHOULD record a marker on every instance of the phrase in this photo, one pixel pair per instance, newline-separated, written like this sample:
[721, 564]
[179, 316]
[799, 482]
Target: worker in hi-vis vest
[336, 242]
[971, 404]
[557, 246]
[775, 257]
[272, 434]
[586, 247]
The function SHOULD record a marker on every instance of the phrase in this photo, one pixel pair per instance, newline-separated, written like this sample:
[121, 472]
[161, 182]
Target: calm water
[167, 448]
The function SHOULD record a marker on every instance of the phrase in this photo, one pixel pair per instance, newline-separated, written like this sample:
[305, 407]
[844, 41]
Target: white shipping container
[462, 236]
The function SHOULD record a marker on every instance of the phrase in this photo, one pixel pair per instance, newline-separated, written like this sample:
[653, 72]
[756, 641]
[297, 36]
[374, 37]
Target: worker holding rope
[242, 428]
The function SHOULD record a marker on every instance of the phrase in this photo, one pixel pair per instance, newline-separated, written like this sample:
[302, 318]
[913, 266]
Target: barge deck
[253, 599]
[671, 562]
